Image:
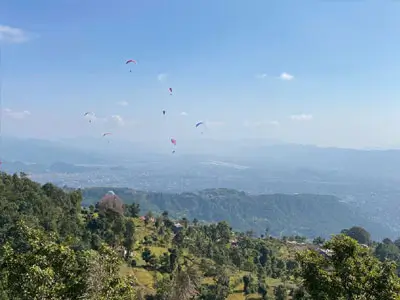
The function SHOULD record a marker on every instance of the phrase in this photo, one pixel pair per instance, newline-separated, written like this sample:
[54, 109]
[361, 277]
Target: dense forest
[301, 214]
[53, 247]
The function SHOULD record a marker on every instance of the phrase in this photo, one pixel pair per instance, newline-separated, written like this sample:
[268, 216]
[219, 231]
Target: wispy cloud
[17, 114]
[184, 113]
[261, 76]
[162, 77]
[261, 124]
[123, 103]
[12, 35]
[286, 76]
[118, 120]
[302, 117]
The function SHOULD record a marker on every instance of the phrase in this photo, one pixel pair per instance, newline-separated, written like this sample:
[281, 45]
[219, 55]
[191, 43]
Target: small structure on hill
[177, 227]
[325, 252]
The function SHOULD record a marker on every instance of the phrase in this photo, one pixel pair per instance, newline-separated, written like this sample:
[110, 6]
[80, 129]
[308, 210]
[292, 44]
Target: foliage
[35, 266]
[303, 214]
[53, 248]
[359, 234]
[350, 272]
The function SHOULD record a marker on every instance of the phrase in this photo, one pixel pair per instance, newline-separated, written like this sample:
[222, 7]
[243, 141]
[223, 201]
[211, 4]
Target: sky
[310, 72]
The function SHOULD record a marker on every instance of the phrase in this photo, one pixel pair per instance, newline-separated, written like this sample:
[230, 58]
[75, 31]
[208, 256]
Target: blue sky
[223, 60]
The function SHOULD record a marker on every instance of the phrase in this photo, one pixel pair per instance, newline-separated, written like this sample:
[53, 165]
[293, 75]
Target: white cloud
[123, 103]
[17, 114]
[184, 113]
[261, 76]
[286, 76]
[162, 77]
[118, 120]
[302, 117]
[12, 35]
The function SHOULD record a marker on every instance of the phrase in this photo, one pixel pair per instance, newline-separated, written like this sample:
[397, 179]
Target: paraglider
[131, 61]
[198, 124]
[173, 141]
[105, 134]
[163, 112]
[90, 114]
[170, 91]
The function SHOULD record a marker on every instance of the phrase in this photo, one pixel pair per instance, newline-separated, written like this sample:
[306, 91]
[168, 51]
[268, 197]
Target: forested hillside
[53, 248]
[303, 214]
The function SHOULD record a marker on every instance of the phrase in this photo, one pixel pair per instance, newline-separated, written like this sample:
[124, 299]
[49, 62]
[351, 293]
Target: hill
[302, 214]
[107, 251]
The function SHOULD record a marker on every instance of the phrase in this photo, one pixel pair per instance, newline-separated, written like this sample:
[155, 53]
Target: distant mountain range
[309, 215]
[367, 180]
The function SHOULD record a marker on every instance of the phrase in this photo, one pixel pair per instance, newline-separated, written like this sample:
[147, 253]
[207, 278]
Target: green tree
[350, 272]
[132, 210]
[280, 292]
[359, 234]
[35, 266]
[300, 294]
[222, 284]
[186, 283]
[387, 251]
[148, 257]
[129, 238]
[318, 241]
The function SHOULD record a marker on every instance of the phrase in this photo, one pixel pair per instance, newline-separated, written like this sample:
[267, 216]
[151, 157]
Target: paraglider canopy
[131, 61]
[200, 123]
[106, 133]
[173, 141]
[90, 115]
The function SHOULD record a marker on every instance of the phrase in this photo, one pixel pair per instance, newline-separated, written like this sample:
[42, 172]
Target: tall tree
[129, 238]
[359, 234]
[350, 272]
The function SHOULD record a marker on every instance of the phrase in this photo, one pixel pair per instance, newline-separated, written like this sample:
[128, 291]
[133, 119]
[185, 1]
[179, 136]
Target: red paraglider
[173, 141]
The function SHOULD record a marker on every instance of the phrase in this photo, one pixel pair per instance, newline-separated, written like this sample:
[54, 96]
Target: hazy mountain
[303, 214]
[45, 152]
[369, 180]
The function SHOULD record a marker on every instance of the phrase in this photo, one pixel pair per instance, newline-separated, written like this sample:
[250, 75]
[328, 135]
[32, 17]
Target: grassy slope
[145, 278]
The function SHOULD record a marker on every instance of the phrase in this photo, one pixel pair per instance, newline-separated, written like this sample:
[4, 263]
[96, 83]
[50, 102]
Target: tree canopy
[52, 247]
